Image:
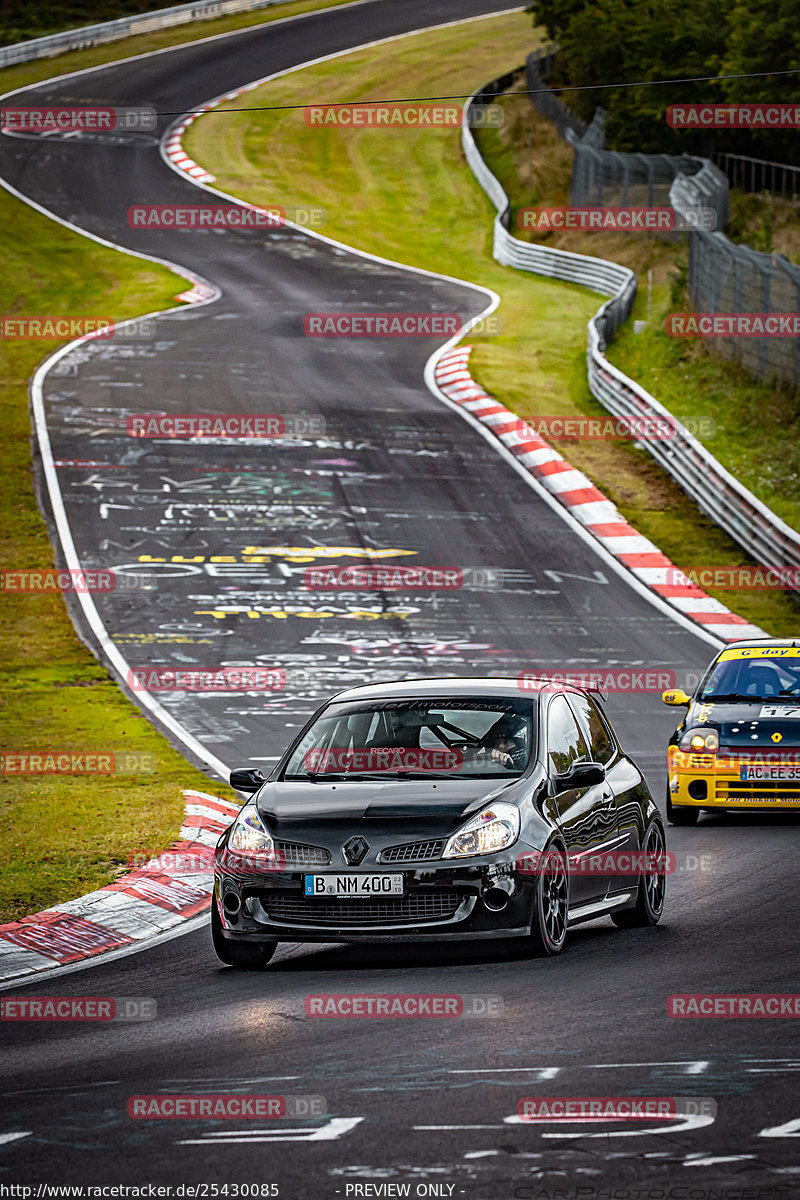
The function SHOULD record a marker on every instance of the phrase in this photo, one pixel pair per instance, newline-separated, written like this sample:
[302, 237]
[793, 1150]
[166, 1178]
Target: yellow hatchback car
[738, 746]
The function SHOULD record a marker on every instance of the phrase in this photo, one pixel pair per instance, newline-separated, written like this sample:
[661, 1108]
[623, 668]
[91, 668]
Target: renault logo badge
[354, 850]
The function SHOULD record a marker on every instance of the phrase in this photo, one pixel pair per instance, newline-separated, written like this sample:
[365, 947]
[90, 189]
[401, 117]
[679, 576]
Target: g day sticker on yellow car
[760, 652]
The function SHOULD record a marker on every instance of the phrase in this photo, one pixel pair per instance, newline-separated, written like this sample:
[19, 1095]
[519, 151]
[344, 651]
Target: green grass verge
[767, 223]
[62, 836]
[757, 424]
[409, 195]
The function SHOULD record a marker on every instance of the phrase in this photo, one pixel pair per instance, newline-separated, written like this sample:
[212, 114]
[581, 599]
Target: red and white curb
[198, 293]
[176, 153]
[173, 150]
[169, 889]
[596, 513]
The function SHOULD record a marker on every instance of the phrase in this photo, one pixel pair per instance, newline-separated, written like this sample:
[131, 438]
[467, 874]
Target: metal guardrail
[122, 27]
[760, 175]
[706, 188]
[768, 539]
[723, 276]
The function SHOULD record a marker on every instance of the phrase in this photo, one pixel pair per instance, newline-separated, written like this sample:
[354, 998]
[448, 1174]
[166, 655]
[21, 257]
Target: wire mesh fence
[538, 66]
[723, 277]
[726, 278]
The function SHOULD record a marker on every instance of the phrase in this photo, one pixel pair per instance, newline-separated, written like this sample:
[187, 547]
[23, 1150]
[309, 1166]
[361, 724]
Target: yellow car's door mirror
[676, 696]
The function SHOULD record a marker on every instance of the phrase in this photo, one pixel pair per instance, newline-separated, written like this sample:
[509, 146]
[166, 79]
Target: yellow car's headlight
[700, 740]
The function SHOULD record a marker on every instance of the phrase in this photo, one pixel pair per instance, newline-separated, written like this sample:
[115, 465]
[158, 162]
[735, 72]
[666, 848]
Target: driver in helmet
[505, 743]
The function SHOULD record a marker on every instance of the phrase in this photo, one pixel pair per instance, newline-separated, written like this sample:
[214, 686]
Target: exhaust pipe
[496, 898]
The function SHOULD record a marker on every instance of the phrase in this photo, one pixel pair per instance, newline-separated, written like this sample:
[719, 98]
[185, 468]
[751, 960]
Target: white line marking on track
[695, 1067]
[544, 1072]
[682, 1125]
[335, 1128]
[789, 1129]
[691, 1161]
[5, 1138]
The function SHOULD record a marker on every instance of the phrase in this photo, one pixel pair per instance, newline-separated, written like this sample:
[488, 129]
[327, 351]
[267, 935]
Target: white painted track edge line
[617, 567]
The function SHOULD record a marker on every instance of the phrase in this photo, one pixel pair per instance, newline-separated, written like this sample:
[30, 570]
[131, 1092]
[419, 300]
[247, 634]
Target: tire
[681, 815]
[650, 895]
[244, 956]
[549, 925]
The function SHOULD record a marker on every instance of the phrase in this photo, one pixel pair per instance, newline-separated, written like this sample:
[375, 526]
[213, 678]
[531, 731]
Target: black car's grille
[294, 852]
[291, 908]
[413, 851]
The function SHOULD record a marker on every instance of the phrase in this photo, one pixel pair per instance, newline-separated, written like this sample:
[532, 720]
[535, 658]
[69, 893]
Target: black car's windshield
[749, 679]
[444, 737]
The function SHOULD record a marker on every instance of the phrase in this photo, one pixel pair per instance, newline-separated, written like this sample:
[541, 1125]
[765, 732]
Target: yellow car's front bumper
[714, 781]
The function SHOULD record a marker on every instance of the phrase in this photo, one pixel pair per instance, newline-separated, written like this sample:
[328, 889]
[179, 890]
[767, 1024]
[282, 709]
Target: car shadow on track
[598, 938]
[751, 820]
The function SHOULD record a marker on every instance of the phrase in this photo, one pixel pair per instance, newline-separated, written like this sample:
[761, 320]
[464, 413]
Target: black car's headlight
[249, 834]
[492, 829]
[700, 739]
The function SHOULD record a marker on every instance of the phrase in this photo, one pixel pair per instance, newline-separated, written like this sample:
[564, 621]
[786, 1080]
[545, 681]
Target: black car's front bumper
[488, 898]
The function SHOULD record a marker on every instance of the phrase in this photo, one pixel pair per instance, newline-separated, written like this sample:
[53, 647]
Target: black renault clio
[440, 809]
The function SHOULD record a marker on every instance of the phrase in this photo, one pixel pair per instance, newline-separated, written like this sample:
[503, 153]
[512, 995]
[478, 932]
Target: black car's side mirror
[247, 779]
[581, 775]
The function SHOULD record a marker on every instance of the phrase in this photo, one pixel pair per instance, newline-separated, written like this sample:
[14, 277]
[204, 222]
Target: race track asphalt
[397, 470]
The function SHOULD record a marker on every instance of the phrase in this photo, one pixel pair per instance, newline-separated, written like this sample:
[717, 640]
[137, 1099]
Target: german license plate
[766, 773]
[353, 885]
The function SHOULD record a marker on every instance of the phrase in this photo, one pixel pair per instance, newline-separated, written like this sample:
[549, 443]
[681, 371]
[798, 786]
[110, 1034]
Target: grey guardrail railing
[757, 529]
[706, 189]
[109, 31]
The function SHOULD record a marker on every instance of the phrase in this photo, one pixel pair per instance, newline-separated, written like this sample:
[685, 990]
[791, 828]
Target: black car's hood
[750, 723]
[429, 807]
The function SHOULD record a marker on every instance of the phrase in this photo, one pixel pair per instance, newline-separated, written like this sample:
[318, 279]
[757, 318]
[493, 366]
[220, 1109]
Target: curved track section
[227, 530]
